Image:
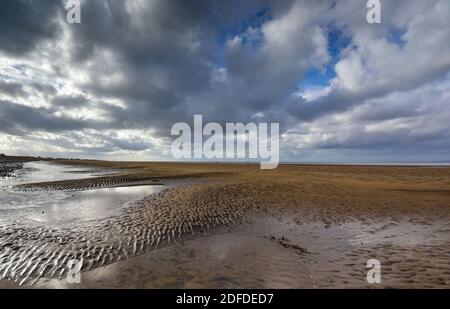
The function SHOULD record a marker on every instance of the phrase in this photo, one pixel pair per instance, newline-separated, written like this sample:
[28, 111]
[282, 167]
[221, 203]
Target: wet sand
[297, 226]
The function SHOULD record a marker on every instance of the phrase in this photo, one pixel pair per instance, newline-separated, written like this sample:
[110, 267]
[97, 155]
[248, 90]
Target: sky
[111, 87]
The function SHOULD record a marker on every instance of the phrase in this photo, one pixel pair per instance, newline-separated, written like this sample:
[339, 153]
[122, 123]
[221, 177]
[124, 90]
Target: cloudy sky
[112, 87]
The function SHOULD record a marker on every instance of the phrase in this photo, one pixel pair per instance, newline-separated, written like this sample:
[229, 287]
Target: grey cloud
[96, 143]
[17, 119]
[163, 52]
[24, 23]
[70, 101]
[400, 121]
[380, 111]
[43, 88]
[12, 89]
[134, 144]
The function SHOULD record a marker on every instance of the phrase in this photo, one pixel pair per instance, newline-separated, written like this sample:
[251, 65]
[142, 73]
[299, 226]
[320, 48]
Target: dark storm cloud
[164, 52]
[17, 119]
[24, 23]
[158, 39]
[169, 50]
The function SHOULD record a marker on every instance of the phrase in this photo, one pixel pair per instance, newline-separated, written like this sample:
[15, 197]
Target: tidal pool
[60, 207]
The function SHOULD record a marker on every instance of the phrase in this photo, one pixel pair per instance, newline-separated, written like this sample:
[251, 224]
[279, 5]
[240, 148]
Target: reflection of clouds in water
[36, 172]
[44, 171]
[55, 206]
[96, 204]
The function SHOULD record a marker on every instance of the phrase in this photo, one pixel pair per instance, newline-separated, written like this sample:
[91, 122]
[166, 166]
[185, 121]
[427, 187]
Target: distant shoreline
[13, 159]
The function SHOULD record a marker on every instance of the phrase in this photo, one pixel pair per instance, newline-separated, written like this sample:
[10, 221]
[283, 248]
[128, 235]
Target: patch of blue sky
[239, 28]
[321, 77]
[395, 35]
[241, 25]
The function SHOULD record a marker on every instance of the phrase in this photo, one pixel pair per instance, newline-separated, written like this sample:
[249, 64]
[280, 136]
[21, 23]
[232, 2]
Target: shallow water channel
[60, 207]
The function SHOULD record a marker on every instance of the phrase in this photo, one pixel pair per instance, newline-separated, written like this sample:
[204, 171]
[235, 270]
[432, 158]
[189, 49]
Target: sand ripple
[89, 183]
[30, 252]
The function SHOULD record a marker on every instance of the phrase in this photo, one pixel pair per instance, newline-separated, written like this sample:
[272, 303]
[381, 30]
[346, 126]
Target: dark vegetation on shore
[4, 159]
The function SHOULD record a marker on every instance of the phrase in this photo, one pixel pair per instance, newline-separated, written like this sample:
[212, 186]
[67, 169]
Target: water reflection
[91, 205]
[57, 207]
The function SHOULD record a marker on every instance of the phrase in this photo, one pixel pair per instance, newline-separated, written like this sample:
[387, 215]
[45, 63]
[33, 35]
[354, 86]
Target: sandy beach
[236, 226]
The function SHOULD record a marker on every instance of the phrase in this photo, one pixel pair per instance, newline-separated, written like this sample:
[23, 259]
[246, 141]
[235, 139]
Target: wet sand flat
[238, 226]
